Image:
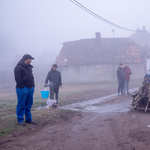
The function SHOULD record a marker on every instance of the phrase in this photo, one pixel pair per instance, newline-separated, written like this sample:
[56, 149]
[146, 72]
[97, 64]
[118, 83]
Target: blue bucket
[45, 94]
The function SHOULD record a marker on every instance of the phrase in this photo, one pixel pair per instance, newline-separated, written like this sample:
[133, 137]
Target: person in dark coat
[54, 77]
[121, 79]
[127, 73]
[24, 89]
[147, 75]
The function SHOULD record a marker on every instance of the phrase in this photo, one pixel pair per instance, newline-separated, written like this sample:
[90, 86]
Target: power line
[86, 10]
[99, 17]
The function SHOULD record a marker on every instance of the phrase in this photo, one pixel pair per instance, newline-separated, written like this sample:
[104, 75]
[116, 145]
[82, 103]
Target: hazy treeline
[10, 55]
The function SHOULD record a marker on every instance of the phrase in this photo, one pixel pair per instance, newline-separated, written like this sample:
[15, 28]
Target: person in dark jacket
[127, 73]
[147, 75]
[54, 77]
[24, 89]
[121, 78]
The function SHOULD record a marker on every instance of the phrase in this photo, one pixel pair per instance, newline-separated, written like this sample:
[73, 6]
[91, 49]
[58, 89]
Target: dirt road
[105, 124]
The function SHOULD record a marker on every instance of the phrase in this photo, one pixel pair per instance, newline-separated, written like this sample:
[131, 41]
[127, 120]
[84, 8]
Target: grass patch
[8, 120]
[72, 93]
[41, 103]
[8, 125]
[7, 105]
[63, 103]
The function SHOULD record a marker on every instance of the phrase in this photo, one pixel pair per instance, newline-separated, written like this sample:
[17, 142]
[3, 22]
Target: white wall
[147, 64]
[97, 73]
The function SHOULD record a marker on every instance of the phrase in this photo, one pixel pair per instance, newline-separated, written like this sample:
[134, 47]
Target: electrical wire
[97, 16]
[100, 18]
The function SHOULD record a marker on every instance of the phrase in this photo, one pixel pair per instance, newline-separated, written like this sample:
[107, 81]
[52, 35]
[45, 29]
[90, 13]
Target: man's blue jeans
[126, 86]
[25, 102]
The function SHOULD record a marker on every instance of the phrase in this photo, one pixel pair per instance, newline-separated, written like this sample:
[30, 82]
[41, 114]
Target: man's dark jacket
[55, 77]
[23, 75]
[147, 76]
[120, 74]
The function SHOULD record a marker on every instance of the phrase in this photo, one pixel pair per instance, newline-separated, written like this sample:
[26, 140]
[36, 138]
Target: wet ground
[108, 123]
[95, 105]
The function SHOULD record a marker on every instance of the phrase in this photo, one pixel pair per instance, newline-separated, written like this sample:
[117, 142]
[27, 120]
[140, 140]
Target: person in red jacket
[127, 73]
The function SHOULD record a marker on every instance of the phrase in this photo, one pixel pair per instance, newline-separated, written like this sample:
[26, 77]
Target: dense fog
[39, 27]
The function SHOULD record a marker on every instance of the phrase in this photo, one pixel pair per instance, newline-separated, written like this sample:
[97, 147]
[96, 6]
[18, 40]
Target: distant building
[142, 37]
[97, 59]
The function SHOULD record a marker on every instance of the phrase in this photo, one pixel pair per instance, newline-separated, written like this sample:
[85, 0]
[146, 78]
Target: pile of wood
[141, 98]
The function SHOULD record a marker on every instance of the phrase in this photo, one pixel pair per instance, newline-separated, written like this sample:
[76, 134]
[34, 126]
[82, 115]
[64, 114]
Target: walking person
[121, 79]
[54, 77]
[127, 73]
[24, 89]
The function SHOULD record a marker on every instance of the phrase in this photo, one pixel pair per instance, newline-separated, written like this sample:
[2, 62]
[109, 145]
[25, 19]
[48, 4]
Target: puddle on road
[88, 106]
[117, 107]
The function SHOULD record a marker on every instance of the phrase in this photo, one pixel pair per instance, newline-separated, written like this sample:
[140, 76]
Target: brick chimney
[98, 38]
[98, 35]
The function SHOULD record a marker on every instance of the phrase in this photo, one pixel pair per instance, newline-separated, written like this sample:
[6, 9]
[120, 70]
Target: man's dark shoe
[31, 122]
[21, 124]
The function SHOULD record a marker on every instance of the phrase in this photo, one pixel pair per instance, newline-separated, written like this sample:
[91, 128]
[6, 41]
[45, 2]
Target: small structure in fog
[97, 59]
[141, 37]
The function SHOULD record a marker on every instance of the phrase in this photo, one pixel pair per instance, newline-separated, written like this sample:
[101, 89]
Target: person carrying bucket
[54, 77]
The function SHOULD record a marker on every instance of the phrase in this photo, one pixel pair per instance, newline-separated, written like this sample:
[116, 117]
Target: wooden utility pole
[113, 33]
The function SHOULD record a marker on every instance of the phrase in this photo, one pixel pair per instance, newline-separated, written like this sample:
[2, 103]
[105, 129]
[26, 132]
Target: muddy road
[108, 123]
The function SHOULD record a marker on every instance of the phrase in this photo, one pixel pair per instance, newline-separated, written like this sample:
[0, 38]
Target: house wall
[97, 73]
[147, 64]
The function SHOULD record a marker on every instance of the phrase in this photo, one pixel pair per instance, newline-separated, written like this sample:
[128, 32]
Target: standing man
[121, 78]
[24, 89]
[127, 73]
[54, 77]
[147, 76]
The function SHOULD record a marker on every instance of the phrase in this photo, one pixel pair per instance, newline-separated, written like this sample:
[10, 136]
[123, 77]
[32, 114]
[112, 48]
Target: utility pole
[113, 33]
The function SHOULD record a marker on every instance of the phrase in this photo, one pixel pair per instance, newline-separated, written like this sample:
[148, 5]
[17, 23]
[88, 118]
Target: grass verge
[41, 116]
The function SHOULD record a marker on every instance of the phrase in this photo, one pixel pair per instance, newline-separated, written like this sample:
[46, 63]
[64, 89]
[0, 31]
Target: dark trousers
[24, 104]
[120, 86]
[54, 90]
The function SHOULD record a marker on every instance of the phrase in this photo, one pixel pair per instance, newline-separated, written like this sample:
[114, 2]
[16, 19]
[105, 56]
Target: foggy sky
[41, 26]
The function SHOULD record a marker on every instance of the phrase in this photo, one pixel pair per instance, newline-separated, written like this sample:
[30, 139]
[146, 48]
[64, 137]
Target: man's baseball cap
[121, 64]
[27, 56]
